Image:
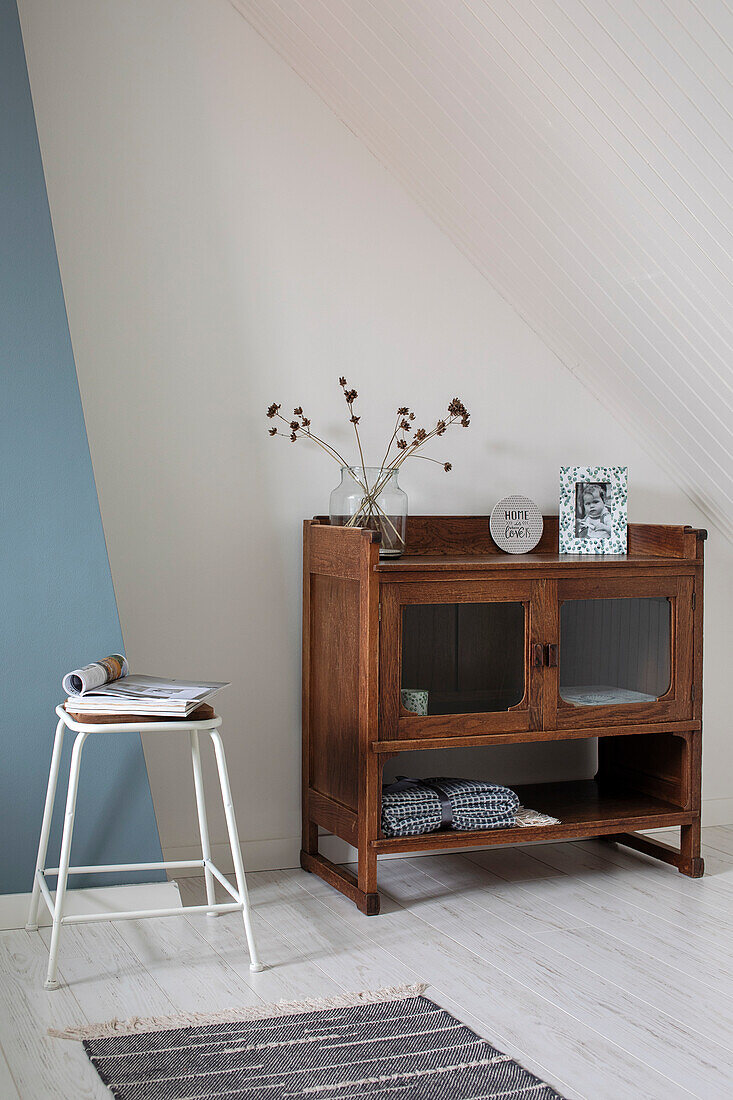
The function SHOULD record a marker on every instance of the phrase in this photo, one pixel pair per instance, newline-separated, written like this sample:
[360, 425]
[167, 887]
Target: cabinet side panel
[334, 688]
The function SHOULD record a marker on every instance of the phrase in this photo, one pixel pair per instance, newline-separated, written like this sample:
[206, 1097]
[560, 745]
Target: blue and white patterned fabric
[411, 807]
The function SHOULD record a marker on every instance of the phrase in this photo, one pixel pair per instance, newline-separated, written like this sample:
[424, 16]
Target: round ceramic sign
[516, 524]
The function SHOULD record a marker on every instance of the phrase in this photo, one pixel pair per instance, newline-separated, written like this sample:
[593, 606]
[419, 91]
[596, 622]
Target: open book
[103, 688]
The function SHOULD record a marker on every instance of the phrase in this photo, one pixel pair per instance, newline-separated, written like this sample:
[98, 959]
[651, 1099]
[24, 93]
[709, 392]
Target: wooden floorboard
[410, 950]
[589, 997]
[551, 888]
[616, 1011]
[291, 974]
[7, 1085]
[105, 976]
[720, 838]
[181, 962]
[678, 903]
[609, 975]
[42, 1068]
[656, 983]
[511, 1013]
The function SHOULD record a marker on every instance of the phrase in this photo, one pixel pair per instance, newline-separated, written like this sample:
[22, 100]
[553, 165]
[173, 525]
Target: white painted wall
[224, 242]
[580, 155]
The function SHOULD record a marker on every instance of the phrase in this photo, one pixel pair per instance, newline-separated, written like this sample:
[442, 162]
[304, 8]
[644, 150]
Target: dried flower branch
[369, 508]
[351, 396]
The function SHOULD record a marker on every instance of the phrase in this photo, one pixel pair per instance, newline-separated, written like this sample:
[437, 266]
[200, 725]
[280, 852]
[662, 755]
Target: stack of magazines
[106, 687]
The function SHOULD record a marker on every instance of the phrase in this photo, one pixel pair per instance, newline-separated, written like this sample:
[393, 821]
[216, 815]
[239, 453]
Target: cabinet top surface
[539, 562]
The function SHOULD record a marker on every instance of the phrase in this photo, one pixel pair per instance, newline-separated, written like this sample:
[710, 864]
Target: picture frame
[593, 509]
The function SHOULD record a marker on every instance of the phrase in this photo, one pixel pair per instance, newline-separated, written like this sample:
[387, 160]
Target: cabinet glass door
[462, 658]
[454, 661]
[618, 654]
[615, 651]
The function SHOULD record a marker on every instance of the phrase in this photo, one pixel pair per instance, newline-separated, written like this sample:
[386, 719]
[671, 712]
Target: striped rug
[392, 1043]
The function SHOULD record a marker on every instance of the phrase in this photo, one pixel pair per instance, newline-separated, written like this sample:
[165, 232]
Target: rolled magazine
[93, 676]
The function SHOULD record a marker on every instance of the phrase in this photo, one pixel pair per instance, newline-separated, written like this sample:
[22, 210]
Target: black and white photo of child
[592, 515]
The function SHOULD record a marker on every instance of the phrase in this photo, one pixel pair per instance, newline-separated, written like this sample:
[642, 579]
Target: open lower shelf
[584, 810]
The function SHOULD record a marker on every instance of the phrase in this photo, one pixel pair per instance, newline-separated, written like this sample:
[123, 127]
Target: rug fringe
[137, 1024]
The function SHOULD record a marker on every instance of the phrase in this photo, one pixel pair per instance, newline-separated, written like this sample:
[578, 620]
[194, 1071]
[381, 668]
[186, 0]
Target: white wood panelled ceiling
[580, 153]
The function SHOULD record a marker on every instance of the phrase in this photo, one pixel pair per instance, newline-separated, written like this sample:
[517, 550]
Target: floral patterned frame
[617, 477]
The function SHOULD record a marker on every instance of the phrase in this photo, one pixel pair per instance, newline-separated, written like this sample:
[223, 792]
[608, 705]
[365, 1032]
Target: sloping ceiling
[580, 154]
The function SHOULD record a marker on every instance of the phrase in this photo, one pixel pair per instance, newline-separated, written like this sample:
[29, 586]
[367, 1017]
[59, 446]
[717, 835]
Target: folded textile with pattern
[411, 807]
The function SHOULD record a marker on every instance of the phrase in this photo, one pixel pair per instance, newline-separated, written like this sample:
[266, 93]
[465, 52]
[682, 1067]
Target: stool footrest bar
[141, 914]
[45, 892]
[227, 885]
[166, 865]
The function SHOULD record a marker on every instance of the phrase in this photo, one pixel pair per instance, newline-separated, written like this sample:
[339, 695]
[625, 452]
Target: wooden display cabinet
[510, 648]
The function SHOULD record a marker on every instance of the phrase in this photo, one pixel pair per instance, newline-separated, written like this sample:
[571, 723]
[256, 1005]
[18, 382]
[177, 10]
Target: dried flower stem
[427, 458]
[366, 506]
[361, 453]
[392, 439]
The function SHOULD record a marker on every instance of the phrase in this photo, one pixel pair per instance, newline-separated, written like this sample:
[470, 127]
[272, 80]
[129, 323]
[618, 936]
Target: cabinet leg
[686, 858]
[368, 881]
[342, 880]
[370, 802]
[310, 839]
[692, 863]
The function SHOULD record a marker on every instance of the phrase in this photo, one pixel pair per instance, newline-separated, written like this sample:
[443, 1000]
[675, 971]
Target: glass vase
[370, 497]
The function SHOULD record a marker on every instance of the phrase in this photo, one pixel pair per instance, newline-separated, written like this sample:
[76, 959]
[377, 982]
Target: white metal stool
[56, 907]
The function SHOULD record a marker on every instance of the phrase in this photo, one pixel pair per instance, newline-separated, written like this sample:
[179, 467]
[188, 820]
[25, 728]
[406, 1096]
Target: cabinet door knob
[538, 655]
[551, 655]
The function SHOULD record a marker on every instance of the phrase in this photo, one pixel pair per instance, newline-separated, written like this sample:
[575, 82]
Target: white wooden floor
[607, 974]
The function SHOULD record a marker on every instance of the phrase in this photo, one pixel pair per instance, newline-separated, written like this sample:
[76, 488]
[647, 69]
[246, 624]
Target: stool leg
[198, 783]
[53, 775]
[226, 794]
[51, 982]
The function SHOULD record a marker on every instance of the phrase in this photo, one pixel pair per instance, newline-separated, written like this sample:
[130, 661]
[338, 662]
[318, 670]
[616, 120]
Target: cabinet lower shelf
[584, 810]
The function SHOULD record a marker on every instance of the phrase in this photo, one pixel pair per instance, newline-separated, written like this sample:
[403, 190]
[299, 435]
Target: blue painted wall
[57, 604]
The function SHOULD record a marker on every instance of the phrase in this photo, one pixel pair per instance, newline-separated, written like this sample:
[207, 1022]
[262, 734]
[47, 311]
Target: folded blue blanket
[411, 807]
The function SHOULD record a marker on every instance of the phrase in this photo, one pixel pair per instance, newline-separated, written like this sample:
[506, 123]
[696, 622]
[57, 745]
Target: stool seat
[202, 720]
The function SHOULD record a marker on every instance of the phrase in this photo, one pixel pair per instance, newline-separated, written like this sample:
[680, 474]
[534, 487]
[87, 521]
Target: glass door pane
[615, 651]
[462, 658]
